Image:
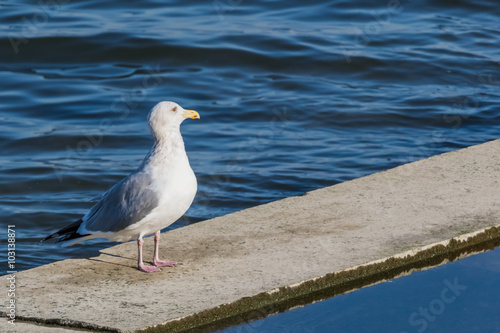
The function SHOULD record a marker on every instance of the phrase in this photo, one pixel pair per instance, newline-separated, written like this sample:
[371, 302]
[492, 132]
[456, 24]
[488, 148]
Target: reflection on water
[443, 299]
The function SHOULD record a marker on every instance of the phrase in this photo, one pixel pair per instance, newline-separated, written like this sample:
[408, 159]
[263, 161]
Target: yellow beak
[191, 114]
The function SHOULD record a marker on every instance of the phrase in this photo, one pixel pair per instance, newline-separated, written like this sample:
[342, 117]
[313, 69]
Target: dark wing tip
[49, 237]
[68, 232]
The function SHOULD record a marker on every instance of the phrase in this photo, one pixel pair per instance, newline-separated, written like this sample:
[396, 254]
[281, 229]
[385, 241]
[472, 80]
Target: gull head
[166, 118]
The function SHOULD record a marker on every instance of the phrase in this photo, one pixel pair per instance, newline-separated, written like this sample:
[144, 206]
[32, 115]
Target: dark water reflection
[443, 299]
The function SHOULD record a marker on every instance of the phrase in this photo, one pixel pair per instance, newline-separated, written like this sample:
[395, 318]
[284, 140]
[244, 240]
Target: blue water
[445, 299]
[293, 96]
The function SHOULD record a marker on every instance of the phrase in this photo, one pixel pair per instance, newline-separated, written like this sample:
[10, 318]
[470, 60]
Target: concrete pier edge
[313, 290]
[333, 284]
[267, 259]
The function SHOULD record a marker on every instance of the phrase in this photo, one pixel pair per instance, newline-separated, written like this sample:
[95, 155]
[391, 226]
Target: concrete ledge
[33, 327]
[283, 254]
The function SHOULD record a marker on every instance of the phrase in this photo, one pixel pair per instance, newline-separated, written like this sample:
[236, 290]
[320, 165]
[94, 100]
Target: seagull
[158, 193]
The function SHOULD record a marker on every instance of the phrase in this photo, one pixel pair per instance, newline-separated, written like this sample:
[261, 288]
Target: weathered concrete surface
[32, 328]
[278, 244]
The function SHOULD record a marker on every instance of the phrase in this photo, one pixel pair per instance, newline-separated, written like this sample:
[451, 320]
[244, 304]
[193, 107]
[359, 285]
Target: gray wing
[126, 203]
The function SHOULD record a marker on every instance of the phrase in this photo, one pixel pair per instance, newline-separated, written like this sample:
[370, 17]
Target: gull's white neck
[168, 148]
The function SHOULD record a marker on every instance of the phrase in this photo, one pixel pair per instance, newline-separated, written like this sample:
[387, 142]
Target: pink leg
[156, 261]
[140, 264]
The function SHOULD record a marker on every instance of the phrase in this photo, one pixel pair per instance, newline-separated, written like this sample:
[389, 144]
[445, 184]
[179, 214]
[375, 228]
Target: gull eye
[174, 108]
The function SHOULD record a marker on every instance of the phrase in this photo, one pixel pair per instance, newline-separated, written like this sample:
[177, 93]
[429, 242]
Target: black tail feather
[66, 233]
